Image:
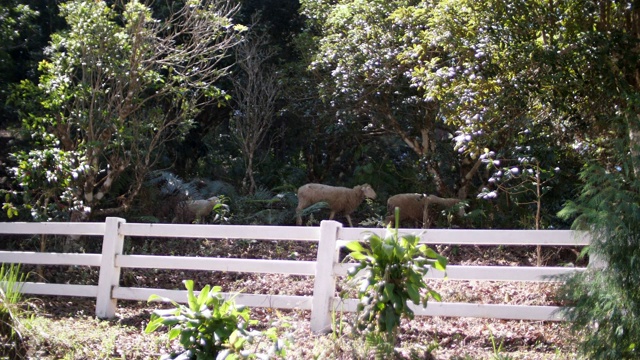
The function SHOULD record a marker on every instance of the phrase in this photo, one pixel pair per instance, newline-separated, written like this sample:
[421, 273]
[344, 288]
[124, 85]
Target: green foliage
[48, 183]
[210, 327]
[117, 85]
[368, 91]
[484, 74]
[264, 207]
[10, 312]
[19, 30]
[314, 210]
[497, 349]
[393, 270]
[603, 316]
[605, 303]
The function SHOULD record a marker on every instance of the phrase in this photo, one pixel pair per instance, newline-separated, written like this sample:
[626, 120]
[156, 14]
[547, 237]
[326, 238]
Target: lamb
[414, 206]
[189, 210]
[340, 199]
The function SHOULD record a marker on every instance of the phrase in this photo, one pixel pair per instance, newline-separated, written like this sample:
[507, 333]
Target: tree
[605, 302]
[366, 83]
[256, 89]
[117, 86]
[566, 71]
[17, 33]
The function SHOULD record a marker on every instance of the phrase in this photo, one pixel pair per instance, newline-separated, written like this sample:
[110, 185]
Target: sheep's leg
[349, 220]
[298, 216]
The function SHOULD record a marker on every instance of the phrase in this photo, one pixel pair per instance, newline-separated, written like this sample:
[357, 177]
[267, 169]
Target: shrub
[211, 327]
[604, 303]
[394, 268]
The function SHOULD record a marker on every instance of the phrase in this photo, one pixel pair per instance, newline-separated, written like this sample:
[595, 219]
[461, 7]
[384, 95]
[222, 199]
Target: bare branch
[256, 88]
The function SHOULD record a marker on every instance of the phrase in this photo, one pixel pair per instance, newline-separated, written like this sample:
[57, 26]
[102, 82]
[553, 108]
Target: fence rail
[330, 236]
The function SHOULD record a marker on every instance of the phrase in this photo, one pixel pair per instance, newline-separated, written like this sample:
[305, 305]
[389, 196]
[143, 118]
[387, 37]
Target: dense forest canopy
[112, 106]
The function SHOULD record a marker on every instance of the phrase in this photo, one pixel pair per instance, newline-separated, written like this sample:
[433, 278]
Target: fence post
[324, 287]
[109, 274]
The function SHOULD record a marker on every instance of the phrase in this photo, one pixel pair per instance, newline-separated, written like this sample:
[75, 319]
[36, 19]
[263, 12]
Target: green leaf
[390, 320]
[153, 325]
[358, 256]
[389, 290]
[387, 251]
[435, 295]
[174, 333]
[414, 295]
[203, 297]
[154, 297]
[430, 253]
[376, 244]
[439, 265]
[191, 298]
[355, 246]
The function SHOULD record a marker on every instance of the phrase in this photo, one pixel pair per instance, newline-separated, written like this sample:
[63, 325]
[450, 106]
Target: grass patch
[11, 313]
[90, 338]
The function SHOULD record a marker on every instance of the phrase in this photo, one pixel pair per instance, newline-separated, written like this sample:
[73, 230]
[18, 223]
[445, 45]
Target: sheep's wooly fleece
[340, 199]
[412, 205]
[187, 211]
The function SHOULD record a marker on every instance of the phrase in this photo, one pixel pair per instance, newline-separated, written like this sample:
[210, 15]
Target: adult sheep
[340, 199]
[414, 206]
[189, 210]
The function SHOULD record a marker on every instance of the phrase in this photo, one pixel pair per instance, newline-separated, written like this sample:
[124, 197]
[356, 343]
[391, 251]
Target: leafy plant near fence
[10, 313]
[210, 327]
[605, 302]
[394, 268]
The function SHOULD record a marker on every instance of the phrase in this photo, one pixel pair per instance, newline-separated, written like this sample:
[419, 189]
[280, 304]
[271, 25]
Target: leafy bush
[10, 313]
[605, 302]
[394, 268]
[211, 327]
[264, 207]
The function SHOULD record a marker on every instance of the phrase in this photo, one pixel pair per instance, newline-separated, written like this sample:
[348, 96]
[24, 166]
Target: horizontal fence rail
[53, 228]
[326, 270]
[488, 273]
[492, 311]
[481, 237]
[257, 232]
[289, 267]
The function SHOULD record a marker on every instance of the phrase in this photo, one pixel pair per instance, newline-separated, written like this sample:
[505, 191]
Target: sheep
[189, 210]
[340, 199]
[414, 206]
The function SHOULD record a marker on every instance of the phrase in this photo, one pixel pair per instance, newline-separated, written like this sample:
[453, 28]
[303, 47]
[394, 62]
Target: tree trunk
[634, 142]
[248, 176]
[463, 192]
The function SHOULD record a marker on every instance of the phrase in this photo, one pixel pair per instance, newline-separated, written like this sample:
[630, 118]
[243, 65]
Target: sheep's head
[367, 190]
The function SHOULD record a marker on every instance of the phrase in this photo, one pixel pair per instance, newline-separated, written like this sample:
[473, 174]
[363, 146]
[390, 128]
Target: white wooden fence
[330, 235]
